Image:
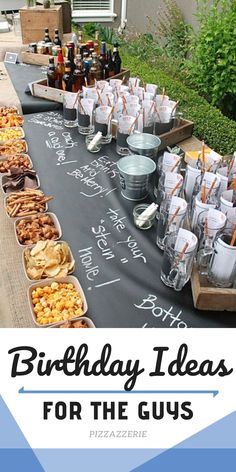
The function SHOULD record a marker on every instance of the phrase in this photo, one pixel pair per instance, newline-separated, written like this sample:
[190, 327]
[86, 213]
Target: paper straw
[211, 187]
[158, 114]
[123, 80]
[134, 123]
[173, 217]
[174, 107]
[179, 183]
[203, 193]
[175, 165]
[86, 82]
[230, 166]
[203, 154]
[232, 242]
[81, 106]
[179, 259]
[206, 233]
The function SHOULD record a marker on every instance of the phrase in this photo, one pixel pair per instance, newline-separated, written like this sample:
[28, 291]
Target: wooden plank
[35, 20]
[35, 59]
[176, 135]
[207, 297]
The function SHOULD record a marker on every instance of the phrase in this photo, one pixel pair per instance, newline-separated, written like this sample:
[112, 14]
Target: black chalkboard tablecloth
[21, 75]
[117, 264]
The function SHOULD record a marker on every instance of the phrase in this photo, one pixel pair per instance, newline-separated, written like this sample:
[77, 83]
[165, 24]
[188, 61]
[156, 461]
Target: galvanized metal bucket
[135, 175]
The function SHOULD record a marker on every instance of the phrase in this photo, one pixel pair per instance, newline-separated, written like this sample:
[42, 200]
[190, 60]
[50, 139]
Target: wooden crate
[35, 20]
[176, 135]
[40, 88]
[35, 59]
[207, 297]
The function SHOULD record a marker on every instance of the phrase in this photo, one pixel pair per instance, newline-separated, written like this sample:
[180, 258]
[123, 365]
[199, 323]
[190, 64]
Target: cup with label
[169, 162]
[191, 175]
[148, 116]
[70, 109]
[85, 116]
[103, 116]
[178, 259]
[222, 267]
[125, 127]
[198, 206]
[171, 217]
[227, 201]
[91, 93]
[163, 120]
[210, 223]
[231, 218]
[170, 184]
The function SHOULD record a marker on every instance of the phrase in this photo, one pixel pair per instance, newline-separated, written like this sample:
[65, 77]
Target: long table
[117, 264]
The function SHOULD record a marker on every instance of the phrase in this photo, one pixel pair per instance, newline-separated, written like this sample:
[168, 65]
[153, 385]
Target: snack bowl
[70, 279]
[29, 248]
[5, 130]
[29, 218]
[5, 110]
[16, 144]
[17, 217]
[23, 154]
[11, 116]
[88, 321]
[4, 178]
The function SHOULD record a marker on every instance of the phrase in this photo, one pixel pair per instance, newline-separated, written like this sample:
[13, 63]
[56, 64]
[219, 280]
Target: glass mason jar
[222, 268]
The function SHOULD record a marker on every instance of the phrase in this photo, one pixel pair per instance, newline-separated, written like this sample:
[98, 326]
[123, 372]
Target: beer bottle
[116, 60]
[94, 72]
[110, 66]
[97, 43]
[67, 79]
[57, 40]
[47, 39]
[78, 74]
[103, 54]
[51, 73]
[60, 69]
[70, 57]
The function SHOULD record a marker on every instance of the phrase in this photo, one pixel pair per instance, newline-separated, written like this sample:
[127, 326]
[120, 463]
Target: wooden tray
[176, 135]
[40, 88]
[207, 297]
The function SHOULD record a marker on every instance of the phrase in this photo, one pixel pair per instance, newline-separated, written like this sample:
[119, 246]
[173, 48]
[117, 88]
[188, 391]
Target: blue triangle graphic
[213, 448]
[15, 452]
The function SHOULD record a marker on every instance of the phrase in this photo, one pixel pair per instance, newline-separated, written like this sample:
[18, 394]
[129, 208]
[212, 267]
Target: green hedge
[218, 131]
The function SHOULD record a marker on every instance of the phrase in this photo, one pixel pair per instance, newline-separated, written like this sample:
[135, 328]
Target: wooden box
[176, 135]
[35, 20]
[207, 297]
[40, 88]
[35, 59]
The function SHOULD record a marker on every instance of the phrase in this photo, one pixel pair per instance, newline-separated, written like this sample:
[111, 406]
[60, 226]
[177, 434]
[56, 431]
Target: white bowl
[28, 218]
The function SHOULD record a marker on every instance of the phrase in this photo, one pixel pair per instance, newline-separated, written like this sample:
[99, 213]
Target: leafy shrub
[214, 54]
[218, 131]
[171, 29]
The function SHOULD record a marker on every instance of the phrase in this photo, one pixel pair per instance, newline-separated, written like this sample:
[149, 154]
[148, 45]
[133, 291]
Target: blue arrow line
[88, 392]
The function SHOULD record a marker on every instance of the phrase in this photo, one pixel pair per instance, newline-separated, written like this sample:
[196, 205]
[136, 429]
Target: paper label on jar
[103, 114]
[134, 82]
[169, 162]
[88, 106]
[69, 100]
[231, 218]
[223, 176]
[223, 261]
[186, 237]
[162, 100]
[132, 99]
[171, 181]
[163, 114]
[133, 109]
[106, 99]
[208, 180]
[90, 93]
[199, 207]
[226, 200]
[151, 88]
[215, 221]
[177, 202]
[115, 83]
[125, 123]
[190, 179]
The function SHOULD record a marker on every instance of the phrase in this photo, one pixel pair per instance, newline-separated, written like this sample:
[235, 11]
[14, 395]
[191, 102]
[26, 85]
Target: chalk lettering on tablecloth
[86, 257]
[107, 283]
[101, 236]
[132, 244]
[117, 221]
[166, 316]
[50, 120]
[87, 173]
[56, 142]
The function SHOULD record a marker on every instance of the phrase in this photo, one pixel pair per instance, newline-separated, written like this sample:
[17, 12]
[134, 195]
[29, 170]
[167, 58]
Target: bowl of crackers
[26, 202]
[48, 259]
[56, 301]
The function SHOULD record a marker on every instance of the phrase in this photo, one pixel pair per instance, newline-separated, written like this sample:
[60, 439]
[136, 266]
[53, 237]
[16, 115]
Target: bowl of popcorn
[56, 301]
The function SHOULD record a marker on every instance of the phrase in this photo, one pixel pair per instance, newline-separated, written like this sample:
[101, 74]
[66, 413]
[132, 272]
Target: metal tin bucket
[135, 174]
[144, 143]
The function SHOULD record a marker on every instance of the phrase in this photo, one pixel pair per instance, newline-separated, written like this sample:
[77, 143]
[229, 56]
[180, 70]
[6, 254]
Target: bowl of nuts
[10, 134]
[39, 227]
[53, 302]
